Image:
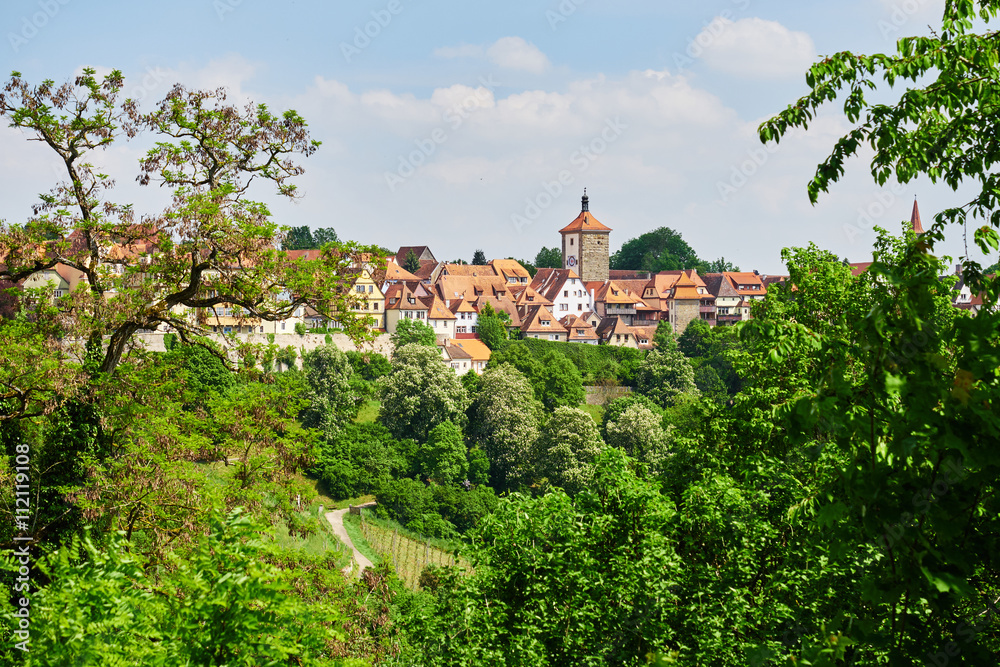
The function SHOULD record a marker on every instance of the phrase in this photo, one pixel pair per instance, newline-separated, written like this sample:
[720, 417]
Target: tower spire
[915, 219]
[585, 202]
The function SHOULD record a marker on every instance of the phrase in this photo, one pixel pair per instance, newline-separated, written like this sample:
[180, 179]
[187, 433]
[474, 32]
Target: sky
[465, 125]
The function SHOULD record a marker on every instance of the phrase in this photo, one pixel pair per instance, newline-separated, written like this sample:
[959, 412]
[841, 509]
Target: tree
[638, 433]
[662, 249]
[504, 420]
[478, 258]
[588, 580]
[411, 262]
[719, 266]
[520, 357]
[413, 331]
[333, 401]
[549, 258]
[419, 393]
[445, 456]
[356, 458]
[491, 329]
[325, 235]
[211, 248]
[559, 382]
[695, 340]
[621, 404]
[298, 238]
[664, 374]
[567, 448]
[664, 335]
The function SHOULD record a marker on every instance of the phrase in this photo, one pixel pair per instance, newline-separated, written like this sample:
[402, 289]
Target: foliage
[559, 383]
[212, 248]
[354, 460]
[662, 249]
[695, 340]
[300, 328]
[619, 405]
[637, 432]
[478, 258]
[664, 374]
[719, 266]
[491, 328]
[411, 262]
[219, 604]
[302, 238]
[369, 365]
[549, 258]
[568, 445]
[443, 458]
[413, 331]
[435, 511]
[505, 420]
[333, 399]
[596, 363]
[419, 393]
[562, 581]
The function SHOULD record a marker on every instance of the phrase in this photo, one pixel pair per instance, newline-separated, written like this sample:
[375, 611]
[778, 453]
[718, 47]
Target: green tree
[419, 393]
[325, 235]
[720, 265]
[355, 459]
[595, 580]
[696, 339]
[664, 335]
[637, 432]
[413, 331]
[298, 238]
[549, 258]
[369, 365]
[491, 329]
[411, 262]
[333, 399]
[478, 258]
[504, 420]
[213, 247]
[559, 382]
[445, 456]
[664, 374]
[662, 249]
[616, 407]
[567, 448]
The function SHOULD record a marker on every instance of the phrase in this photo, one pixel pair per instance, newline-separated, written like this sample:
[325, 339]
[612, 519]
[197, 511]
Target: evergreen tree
[479, 258]
[411, 262]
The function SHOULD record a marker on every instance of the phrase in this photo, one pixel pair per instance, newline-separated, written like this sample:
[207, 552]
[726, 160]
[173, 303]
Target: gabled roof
[505, 304]
[644, 333]
[510, 268]
[585, 222]
[460, 306]
[574, 325]
[476, 349]
[398, 295]
[719, 286]
[437, 310]
[610, 291]
[550, 282]
[453, 351]
[394, 272]
[685, 288]
[612, 325]
[426, 270]
[529, 296]
[533, 318]
[421, 251]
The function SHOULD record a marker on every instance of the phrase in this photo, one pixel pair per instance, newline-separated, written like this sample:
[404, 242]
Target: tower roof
[585, 222]
[915, 219]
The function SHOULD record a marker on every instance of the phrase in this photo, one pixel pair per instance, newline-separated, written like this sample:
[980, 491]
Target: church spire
[585, 202]
[915, 219]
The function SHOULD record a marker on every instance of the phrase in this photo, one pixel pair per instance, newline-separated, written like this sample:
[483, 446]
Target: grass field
[595, 411]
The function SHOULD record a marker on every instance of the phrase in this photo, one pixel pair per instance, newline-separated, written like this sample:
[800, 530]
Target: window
[618, 337]
[571, 240]
[359, 288]
[579, 306]
[262, 328]
[565, 292]
[282, 326]
[545, 323]
[580, 332]
[375, 306]
[460, 329]
[410, 299]
[58, 293]
[371, 289]
[563, 306]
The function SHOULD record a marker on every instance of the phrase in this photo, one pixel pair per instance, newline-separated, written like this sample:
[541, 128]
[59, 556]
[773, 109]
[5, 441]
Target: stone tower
[585, 245]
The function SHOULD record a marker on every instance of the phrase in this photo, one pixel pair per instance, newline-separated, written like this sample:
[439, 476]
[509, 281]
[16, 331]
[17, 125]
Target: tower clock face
[571, 260]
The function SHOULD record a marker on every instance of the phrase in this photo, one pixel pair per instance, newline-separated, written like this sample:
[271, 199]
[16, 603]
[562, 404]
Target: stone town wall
[687, 310]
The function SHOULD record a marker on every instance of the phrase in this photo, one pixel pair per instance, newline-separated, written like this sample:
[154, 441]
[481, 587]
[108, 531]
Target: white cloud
[755, 48]
[515, 53]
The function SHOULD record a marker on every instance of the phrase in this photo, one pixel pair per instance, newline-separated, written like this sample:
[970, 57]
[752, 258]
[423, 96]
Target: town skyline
[464, 128]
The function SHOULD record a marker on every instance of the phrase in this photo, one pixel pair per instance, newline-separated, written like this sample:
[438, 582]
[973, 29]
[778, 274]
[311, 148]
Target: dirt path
[336, 519]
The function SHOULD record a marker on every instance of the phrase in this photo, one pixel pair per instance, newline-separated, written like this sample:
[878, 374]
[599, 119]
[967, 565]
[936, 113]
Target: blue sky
[465, 125]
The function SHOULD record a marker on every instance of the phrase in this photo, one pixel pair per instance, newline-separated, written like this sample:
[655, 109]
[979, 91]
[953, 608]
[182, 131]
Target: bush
[596, 363]
[300, 328]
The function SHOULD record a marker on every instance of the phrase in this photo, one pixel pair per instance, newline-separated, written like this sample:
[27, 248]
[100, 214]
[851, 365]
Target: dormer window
[545, 323]
[410, 299]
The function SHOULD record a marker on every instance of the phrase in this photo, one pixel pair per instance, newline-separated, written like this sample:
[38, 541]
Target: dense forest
[815, 486]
